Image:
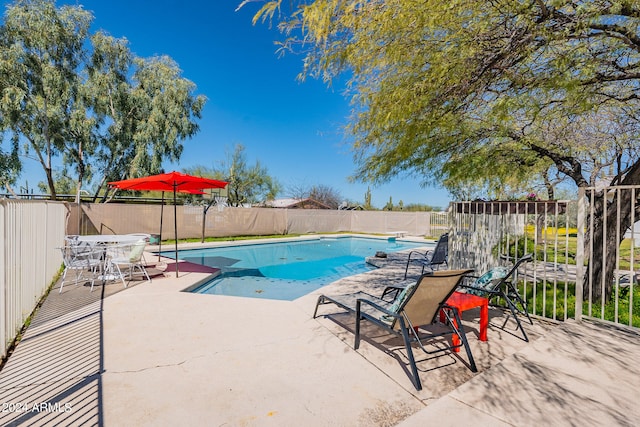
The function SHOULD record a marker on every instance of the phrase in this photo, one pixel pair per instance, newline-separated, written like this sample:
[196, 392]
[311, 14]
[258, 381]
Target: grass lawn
[557, 301]
[559, 245]
[540, 300]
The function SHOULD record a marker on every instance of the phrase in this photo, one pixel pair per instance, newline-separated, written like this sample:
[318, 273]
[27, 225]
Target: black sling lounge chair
[502, 286]
[432, 259]
[499, 283]
[416, 307]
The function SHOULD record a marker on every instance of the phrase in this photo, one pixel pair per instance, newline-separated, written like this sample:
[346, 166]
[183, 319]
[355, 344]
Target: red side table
[463, 302]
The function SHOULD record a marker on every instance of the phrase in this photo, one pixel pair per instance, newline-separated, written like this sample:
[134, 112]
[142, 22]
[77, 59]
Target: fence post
[3, 282]
[580, 253]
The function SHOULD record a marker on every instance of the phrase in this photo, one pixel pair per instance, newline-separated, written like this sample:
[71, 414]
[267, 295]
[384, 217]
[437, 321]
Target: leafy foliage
[247, 184]
[462, 91]
[10, 165]
[487, 94]
[86, 99]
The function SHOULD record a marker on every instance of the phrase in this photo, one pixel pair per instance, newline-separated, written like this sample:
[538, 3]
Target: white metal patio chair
[142, 236]
[125, 259]
[81, 260]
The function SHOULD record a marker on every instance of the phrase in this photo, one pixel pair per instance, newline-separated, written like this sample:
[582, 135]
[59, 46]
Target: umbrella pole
[160, 236]
[175, 225]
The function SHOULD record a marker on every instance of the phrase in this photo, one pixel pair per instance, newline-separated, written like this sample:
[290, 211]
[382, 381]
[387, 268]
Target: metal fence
[481, 235]
[487, 234]
[30, 232]
[614, 211]
[562, 280]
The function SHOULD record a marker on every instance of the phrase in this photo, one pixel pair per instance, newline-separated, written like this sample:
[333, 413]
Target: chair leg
[513, 294]
[514, 313]
[459, 330]
[391, 290]
[64, 275]
[415, 377]
[321, 301]
[94, 272]
[356, 342]
[78, 275]
[406, 269]
[144, 271]
[120, 274]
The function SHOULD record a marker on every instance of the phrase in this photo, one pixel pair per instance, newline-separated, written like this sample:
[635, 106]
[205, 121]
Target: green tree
[85, 99]
[247, 184]
[467, 91]
[10, 166]
[40, 50]
[64, 184]
[148, 116]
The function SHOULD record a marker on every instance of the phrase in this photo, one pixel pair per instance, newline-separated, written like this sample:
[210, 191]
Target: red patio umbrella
[172, 181]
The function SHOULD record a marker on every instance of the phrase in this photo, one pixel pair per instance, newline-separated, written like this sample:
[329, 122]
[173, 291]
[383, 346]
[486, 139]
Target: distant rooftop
[295, 203]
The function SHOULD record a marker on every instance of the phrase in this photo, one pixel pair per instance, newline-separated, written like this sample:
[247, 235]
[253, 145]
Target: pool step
[241, 272]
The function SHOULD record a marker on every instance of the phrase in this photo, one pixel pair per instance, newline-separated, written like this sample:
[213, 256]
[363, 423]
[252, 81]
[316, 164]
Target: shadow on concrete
[577, 374]
[188, 267]
[54, 375]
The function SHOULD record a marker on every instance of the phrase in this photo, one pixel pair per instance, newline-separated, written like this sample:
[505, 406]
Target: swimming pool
[287, 270]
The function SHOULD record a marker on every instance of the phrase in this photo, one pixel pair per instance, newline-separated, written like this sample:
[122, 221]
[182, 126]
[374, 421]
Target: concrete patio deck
[153, 355]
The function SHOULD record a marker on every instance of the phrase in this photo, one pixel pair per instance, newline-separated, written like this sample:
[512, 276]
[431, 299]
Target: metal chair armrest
[479, 289]
[370, 303]
[391, 289]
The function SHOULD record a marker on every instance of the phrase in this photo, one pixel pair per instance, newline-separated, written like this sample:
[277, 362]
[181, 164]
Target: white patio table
[109, 239]
[104, 241]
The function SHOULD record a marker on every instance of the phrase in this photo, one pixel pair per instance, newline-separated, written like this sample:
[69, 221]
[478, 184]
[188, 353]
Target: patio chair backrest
[495, 277]
[441, 251]
[488, 281]
[127, 253]
[78, 257]
[80, 246]
[422, 302]
[137, 250]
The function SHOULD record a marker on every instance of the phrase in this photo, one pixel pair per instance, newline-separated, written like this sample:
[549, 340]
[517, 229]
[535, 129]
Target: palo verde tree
[86, 100]
[460, 90]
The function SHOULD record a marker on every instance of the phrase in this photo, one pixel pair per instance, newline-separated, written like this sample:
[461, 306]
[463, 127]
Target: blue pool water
[287, 270]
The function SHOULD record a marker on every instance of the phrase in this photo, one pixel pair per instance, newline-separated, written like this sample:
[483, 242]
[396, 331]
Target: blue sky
[292, 128]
